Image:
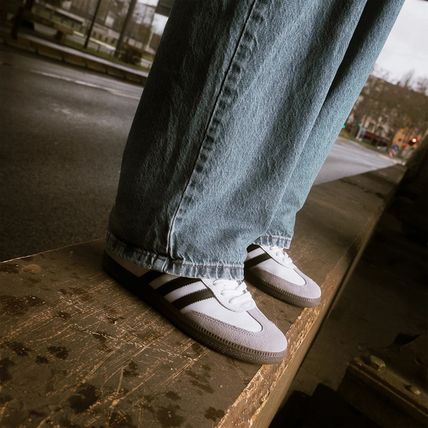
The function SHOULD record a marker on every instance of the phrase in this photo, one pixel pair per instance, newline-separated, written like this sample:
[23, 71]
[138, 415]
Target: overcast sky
[407, 45]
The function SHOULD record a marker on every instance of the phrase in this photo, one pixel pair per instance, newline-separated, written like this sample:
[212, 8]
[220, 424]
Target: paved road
[62, 133]
[349, 158]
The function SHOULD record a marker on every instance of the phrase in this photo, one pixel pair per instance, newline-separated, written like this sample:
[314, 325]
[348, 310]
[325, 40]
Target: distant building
[164, 7]
[154, 41]
[388, 114]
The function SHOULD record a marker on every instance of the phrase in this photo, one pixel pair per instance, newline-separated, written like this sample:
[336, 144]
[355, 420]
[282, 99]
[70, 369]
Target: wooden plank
[77, 349]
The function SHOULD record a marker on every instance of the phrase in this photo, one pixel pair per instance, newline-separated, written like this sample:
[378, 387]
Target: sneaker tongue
[278, 254]
[231, 294]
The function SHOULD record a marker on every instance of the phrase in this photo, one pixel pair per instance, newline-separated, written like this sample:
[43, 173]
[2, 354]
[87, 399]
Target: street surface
[349, 158]
[62, 134]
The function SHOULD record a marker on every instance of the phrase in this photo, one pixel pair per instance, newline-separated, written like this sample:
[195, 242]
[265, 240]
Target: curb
[92, 64]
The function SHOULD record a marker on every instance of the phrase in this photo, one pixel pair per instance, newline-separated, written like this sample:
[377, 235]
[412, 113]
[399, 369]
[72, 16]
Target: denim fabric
[241, 106]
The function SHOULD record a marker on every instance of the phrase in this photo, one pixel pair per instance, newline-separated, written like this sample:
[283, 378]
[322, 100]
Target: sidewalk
[51, 50]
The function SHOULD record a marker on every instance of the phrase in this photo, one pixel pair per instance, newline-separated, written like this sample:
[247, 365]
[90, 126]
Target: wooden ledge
[77, 350]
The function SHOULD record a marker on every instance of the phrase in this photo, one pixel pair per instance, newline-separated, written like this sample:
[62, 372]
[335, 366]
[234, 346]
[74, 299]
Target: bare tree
[421, 85]
[398, 105]
[407, 79]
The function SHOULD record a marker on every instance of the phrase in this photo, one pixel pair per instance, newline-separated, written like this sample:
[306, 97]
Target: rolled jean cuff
[151, 260]
[274, 241]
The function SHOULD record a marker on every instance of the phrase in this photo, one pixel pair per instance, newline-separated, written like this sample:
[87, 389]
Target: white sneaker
[218, 313]
[272, 270]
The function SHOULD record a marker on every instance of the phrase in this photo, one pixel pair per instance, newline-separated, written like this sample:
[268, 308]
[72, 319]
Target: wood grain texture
[78, 350]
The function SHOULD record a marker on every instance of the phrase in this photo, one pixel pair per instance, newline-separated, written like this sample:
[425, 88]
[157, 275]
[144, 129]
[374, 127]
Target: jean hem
[274, 241]
[179, 267]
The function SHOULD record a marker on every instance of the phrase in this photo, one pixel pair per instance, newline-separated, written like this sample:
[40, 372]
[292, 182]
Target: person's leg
[234, 92]
[267, 265]
[162, 219]
[369, 37]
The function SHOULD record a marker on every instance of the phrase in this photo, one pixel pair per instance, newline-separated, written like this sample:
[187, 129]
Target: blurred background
[125, 30]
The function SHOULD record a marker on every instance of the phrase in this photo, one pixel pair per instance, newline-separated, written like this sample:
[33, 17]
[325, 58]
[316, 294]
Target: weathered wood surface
[78, 350]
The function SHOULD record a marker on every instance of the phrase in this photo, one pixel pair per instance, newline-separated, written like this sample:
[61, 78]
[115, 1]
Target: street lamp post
[124, 27]
[88, 36]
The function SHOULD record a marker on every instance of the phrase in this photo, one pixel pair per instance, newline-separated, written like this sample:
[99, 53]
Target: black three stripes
[256, 260]
[175, 284]
[192, 298]
[252, 247]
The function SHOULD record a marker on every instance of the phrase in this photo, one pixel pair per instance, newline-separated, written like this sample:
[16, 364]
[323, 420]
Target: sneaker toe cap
[310, 291]
[270, 340]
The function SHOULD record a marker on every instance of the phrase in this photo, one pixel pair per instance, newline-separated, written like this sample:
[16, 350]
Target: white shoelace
[280, 256]
[235, 292]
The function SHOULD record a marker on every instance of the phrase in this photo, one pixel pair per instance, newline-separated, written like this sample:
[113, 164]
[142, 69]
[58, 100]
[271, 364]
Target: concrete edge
[262, 394]
[261, 398]
[93, 64]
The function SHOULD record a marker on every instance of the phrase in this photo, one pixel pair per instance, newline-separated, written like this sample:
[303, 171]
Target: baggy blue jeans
[241, 106]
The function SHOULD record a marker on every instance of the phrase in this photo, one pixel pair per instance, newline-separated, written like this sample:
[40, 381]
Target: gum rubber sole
[285, 296]
[187, 326]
